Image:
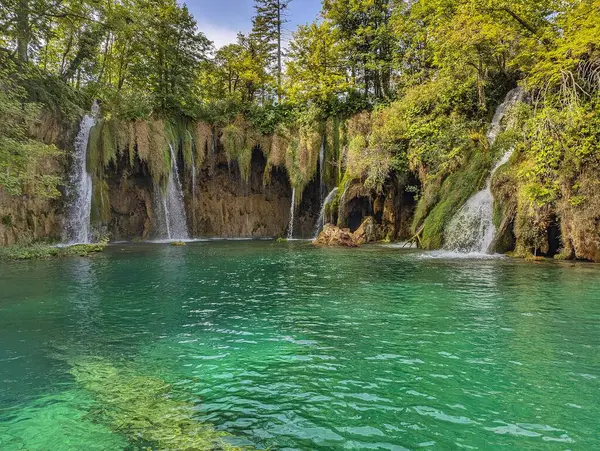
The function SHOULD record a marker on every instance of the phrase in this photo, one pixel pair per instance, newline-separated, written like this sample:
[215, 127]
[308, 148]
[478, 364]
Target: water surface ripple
[287, 347]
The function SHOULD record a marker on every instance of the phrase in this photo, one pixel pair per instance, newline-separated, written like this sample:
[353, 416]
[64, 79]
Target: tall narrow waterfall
[77, 224]
[321, 220]
[173, 219]
[193, 192]
[290, 234]
[322, 172]
[472, 228]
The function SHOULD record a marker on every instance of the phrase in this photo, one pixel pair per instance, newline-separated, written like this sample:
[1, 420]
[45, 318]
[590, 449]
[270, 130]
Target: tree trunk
[278, 51]
[23, 32]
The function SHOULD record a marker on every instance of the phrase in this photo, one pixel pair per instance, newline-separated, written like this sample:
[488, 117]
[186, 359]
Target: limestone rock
[368, 232]
[335, 236]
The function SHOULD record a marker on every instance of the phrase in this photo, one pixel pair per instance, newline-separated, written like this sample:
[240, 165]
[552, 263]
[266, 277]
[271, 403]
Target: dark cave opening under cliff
[358, 209]
[554, 238]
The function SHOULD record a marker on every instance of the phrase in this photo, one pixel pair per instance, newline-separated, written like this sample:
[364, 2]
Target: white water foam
[77, 224]
[290, 234]
[172, 217]
[321, 220]
[472, 229]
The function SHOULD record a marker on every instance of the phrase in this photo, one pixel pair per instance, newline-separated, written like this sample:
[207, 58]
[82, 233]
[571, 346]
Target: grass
[39, 251]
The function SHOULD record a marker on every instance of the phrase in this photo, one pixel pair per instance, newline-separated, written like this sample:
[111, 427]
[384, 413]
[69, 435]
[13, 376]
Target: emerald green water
[286, 347]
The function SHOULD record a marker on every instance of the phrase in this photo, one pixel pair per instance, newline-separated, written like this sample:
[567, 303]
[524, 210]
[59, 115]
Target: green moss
[109, 144]
[438, 207]
[144, 408]
[332, 150]
[100, 208]
[153, 139]
[239, 141]
[429, 197]
[43, 251]
[94, 148]
[187, 143]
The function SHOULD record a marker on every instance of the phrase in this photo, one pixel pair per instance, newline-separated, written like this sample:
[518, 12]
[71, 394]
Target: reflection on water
[284, 346]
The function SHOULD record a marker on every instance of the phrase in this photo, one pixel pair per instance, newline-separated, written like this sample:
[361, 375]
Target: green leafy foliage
[22, 158]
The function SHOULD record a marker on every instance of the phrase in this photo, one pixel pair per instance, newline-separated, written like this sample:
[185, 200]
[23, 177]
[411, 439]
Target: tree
[315, 72]
[364, 31]
[267, 32]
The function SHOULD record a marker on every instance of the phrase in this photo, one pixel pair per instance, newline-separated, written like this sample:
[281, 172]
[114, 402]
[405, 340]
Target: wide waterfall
[472, 228]
[321, 220]
[77, 223]
[172, 218]
[290, 234]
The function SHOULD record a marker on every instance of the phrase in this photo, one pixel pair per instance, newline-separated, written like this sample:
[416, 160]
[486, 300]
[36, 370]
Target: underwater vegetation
[145, 409]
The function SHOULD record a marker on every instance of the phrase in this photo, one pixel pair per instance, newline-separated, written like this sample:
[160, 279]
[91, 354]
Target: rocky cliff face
[220, 205]
[392, 210]
[26, 218]
[225, 206]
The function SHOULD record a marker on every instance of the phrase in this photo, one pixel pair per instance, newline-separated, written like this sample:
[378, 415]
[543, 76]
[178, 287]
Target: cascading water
[321, 220]
[77, 225]
[290, 234]
[472, 228]
[322, 172]
[173, 221]
[342, 204]
[193, 170]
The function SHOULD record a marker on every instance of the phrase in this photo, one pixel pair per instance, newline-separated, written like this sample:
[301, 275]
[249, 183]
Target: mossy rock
[178, 243]
[44, 251]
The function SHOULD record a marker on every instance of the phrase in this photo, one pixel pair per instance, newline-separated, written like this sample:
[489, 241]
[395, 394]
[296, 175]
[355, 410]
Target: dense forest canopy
[360, 52]
[391, 86]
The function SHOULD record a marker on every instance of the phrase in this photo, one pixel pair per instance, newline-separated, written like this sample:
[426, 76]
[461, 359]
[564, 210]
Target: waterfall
[173, 221]
[193, 167]
[193, 193]
[290, 234]
[321, 220]
[322, 171]
[77, 225]
[193, 179]
[472, 228]
[342, 205]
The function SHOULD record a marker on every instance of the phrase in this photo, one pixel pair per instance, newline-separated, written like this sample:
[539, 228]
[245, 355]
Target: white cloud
[219, 35]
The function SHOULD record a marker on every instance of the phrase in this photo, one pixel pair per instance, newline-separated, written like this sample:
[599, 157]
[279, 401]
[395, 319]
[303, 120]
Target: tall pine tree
[267, 30]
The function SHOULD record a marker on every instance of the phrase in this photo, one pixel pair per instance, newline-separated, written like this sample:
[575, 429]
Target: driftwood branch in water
[416, 238]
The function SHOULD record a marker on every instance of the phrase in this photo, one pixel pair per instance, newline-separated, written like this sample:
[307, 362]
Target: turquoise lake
[283, 346]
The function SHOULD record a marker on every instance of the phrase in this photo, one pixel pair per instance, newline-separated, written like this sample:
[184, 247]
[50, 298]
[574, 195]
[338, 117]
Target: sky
[220, 20]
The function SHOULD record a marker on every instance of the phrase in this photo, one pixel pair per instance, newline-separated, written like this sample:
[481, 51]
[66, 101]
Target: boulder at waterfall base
[368, 232]
[335, 236]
